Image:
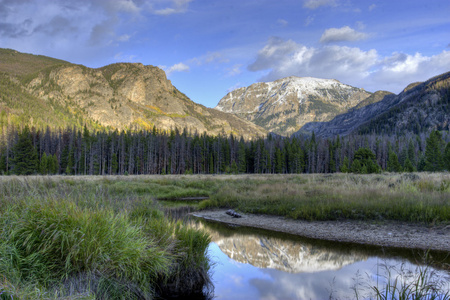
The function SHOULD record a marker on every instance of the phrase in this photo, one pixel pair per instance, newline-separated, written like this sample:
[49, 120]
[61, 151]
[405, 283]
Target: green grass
[90, 237]
[423, 283]
[423, 198]
[74, 238]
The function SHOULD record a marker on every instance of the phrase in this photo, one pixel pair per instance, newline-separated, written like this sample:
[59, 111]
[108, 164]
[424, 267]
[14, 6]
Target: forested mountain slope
[421, 107]
[41, 91]
[285, 105]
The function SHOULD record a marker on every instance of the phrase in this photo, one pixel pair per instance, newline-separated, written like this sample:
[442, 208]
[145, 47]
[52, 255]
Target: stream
[259, 264]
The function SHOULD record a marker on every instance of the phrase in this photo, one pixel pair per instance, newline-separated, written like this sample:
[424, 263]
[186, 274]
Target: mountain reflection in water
[258, 264]
[285, 255]
[271, 252]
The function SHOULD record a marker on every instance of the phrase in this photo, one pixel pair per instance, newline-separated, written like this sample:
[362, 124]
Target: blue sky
[209, 47]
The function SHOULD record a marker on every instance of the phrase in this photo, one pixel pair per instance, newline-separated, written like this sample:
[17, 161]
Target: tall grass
[422, 198]
[422, 284]
[105, 237]
[72, 239]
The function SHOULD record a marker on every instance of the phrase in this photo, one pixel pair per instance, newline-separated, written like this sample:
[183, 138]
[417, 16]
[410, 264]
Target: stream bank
[384, 234]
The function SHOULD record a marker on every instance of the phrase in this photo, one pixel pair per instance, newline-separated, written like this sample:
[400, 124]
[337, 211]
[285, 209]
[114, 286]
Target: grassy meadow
[409, 197]
[106, 237]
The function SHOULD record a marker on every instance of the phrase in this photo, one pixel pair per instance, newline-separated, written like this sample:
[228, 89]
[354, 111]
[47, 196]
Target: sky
[210, 47]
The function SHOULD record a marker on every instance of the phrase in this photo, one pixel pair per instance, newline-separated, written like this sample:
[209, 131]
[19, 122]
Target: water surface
[259, 264]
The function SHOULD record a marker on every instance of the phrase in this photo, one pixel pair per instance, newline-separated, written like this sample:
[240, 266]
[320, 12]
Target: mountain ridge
[117, 96]
[285, 105]
[419, 107]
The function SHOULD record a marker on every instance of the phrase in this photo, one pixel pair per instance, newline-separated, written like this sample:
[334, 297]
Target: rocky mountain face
[117, 96]
[420, 107]
[284, 106]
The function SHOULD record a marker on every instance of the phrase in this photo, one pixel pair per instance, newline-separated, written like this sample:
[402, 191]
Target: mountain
[285, 105]
[42, 91]
[420, 107]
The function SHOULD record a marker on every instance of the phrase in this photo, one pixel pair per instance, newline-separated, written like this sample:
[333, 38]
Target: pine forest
[74, 151]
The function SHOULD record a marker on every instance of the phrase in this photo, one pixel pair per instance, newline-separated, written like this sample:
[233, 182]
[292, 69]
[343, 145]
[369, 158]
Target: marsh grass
[403, 284]
[73, 239]
[422, 198]
[90, 237]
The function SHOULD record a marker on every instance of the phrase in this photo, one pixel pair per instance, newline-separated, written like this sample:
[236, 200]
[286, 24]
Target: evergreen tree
[447, 157]
[70, 163]
[242, 162]
[234, 168]
[278, 161]
[421, 164]
[412, 152]
[364, 162]
[433, 154]
[53, 164]
[345, 165]
[356, 166]
[409, 167]
[114, 164]
[393, 165]
[25, 155]
[43, 165]
[211, 164]
[64, 157]
[3, 164]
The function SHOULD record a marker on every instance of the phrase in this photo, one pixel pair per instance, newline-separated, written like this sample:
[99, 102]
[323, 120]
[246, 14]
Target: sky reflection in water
[240, 280]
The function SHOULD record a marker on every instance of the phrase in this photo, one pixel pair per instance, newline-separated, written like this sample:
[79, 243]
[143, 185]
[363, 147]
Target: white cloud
[46, 23]
[124, 38]
[120, 57]
[234, 70]
[121, 5]
[173, 7]
[309, 20]
[209, 58]
[180, 67]
[276, 51]
[372, 7]
[313, 4]
[411, 68]
[282, 22]
[102, 33]
[351, 65]
[360, 25]
[234, 87]
[286, 58]
[342, 34]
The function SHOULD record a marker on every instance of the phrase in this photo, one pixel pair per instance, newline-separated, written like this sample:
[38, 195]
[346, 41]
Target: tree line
[74, 151]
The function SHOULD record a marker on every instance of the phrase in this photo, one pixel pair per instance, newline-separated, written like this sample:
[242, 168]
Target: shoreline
[385, 234]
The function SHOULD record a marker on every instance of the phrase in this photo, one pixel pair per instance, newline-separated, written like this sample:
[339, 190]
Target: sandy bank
[386, 234]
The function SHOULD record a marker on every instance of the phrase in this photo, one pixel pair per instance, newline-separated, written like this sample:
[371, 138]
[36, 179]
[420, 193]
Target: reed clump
[422, 283]
[80, 240]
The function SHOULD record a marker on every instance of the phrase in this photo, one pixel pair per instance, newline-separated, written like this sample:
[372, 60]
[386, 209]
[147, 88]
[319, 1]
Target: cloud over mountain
[55, 27]
[287, 58]
[352, 65]
[180, 67]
